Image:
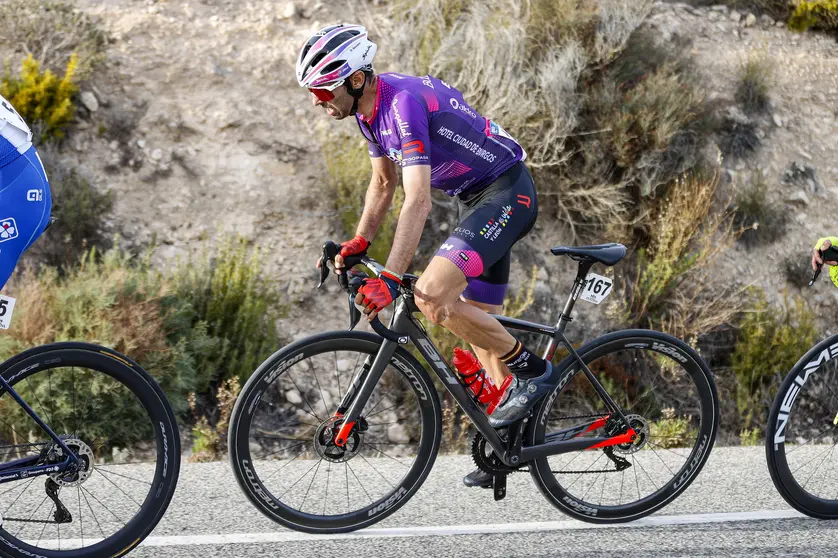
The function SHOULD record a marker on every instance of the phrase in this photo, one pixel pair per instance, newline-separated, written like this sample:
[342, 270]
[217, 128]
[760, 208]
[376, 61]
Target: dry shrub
[673, 287]
[754, 83]
[553, 73]
[210, 433]
[52, 31]
[762, 221]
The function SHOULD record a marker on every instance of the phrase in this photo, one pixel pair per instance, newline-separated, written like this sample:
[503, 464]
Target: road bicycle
[89, 452]
[802, 429]
[337, 431]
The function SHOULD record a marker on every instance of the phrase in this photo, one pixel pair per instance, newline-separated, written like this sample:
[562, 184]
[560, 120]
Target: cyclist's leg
[487, 292]
[25, 204]
[496, 218]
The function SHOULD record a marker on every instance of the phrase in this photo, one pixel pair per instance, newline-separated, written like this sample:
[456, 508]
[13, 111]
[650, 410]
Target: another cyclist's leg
[25, 204]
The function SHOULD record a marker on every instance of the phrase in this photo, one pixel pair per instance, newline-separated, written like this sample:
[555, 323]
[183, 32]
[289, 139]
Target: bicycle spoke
[380, 474]
[337, 376]
[281, 468]
[25, 488]
[299, 479]
[117, 487]
[38, 400]
[320, 389]
[314, 476]
[101, 504]
[387, 455]
[303, 396]
[93, 513]
[359, 482]
[31, 515]
[123, 476]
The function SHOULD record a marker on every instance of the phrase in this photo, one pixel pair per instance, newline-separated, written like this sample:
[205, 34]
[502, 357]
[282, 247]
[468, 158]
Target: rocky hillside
[198, 127]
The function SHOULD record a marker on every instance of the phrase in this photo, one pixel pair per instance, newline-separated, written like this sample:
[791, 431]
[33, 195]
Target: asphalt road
[732, 509]
[210, 517]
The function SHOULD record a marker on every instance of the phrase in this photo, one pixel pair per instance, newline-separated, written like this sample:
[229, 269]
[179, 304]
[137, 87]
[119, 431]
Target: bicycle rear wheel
[116, 419]
[284, 423]
[802, 434]
[665, 391]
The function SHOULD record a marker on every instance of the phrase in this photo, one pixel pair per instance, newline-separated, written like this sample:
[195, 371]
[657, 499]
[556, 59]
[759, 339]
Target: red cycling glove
[357, 245]
[380, 292]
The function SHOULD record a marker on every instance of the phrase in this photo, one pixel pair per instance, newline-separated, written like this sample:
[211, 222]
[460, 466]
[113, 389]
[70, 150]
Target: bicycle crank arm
[575, 444]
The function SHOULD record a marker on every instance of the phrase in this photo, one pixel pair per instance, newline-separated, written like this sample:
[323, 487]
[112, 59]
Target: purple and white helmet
[333, 54]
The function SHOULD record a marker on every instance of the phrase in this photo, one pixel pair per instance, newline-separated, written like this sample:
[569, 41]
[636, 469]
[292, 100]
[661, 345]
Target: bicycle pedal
[499, 486]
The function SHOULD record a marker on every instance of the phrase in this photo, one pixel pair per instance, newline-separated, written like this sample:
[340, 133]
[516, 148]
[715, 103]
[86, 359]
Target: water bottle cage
[470, 379]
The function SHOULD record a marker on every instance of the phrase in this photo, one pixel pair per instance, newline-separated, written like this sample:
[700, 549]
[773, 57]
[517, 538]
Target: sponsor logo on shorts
[494, 227]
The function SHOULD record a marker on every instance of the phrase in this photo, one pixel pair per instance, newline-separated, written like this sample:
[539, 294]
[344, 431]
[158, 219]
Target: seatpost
[578, 284]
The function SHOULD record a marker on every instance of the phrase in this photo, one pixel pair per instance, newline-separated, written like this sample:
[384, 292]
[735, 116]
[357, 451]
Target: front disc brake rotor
[324, 440]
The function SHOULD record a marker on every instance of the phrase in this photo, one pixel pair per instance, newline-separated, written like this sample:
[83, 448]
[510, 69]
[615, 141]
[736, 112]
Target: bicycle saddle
[606, 254]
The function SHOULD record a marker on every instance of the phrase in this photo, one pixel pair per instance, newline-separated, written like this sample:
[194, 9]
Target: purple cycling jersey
[425, 121]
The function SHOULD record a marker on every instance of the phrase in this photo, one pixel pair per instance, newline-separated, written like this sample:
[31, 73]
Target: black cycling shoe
[523, 395]
[478, 477]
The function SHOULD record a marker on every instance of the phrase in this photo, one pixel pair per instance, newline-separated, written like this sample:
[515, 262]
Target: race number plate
[7, 306]
[596, 288]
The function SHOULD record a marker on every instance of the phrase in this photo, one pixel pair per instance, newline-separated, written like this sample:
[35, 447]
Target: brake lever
[330, 250]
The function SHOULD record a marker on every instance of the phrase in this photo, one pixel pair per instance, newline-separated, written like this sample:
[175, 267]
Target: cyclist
[424, 126]
[824, 244]
[25, 199]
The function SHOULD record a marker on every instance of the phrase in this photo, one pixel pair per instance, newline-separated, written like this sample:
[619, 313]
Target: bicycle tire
[141, 384]
[663, 346]
[280, 363]
[794, 393]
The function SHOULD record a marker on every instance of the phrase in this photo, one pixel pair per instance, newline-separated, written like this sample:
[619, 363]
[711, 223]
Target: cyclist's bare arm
[417, 207]
[379, 196]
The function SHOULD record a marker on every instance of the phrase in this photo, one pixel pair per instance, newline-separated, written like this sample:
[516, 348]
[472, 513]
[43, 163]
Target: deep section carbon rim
[284, 425]
[669, 400]
[117, 421]
[802, 434]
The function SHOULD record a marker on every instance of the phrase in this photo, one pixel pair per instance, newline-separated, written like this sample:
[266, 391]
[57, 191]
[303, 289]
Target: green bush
[762, 221]
[42, 100]
[115, 301]
[193, 329]
[53, 32]
[771, 341]
[232, 302]
[815, 14]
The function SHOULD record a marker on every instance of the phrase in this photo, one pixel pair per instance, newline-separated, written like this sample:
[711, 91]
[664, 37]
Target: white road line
[449, 530]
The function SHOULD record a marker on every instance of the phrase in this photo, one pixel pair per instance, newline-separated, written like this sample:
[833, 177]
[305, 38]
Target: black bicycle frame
[26, 467]
[511, 452]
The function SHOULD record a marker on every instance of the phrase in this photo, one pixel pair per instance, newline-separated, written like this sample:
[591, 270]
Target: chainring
[491, 463]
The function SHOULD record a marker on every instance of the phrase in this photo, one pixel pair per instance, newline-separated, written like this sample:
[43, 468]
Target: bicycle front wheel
[115, 418]
[803, 431]
[284, 423]
[667, 394]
